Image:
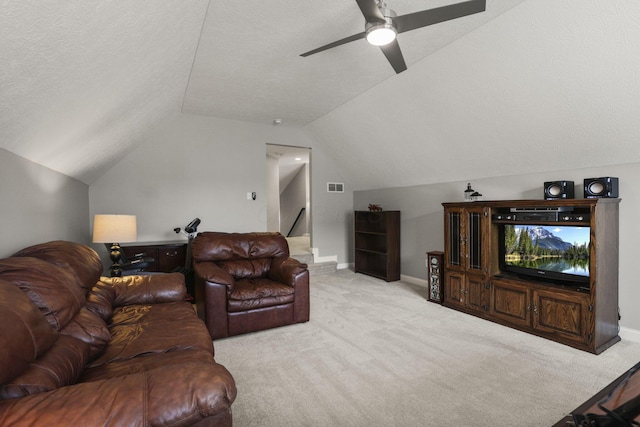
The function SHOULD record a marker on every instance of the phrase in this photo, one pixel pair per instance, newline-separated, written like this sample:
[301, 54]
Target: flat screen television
[557, 253]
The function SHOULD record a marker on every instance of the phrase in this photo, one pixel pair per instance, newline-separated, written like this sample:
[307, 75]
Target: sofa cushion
[58, 367]
[120, 368]
[54, 290]
[88, 327]
[250, 294]
[140, 330]
[25, 333]
[82, 260]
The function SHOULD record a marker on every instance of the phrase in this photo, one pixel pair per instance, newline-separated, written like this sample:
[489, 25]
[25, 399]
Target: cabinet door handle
[535, 309]
[174, 253]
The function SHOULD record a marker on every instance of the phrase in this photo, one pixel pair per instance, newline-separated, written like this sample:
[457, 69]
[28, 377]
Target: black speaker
[554, 190]
[606, 187]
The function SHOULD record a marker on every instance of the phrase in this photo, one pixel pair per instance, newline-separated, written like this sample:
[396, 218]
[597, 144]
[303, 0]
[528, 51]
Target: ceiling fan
[382, 25]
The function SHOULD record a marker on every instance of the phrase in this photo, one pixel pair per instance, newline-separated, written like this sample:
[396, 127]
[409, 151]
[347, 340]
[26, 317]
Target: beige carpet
[379, 354]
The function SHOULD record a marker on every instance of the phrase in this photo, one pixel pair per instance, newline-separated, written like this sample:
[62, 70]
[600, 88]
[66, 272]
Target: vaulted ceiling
[83, 82]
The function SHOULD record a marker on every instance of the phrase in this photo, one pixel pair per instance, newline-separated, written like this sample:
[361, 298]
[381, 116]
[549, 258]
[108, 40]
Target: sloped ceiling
[551, 85]
[83, 81]
[523, 86]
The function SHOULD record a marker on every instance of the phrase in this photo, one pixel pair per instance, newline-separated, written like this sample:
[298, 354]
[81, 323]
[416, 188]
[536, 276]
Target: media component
[557, 190]
[605, 187]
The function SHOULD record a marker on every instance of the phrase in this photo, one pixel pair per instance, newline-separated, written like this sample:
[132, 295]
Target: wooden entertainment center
[584, 317]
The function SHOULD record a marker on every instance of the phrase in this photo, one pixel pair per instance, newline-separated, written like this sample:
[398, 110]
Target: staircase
[300, 250]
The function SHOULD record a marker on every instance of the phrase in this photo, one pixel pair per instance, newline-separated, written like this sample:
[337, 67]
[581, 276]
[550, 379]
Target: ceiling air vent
[335, 187]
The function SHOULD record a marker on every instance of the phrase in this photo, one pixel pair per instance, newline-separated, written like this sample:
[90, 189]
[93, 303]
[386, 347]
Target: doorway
[289, 194]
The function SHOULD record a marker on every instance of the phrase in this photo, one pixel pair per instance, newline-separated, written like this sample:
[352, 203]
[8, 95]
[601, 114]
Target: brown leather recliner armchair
[247, 282]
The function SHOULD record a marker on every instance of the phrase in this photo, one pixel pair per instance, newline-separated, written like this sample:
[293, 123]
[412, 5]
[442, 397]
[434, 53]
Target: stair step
[305, 258]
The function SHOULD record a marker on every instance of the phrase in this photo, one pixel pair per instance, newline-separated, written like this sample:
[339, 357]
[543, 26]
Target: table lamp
[114, 229]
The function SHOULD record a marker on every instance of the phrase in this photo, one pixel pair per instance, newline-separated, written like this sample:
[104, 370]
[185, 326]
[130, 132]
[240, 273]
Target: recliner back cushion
[247, 268]
[25, 334]
[82, 260]
[54, 290]
[217, 246]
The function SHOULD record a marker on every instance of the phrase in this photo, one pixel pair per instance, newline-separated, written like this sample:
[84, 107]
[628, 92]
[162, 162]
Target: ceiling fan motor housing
[388, 25]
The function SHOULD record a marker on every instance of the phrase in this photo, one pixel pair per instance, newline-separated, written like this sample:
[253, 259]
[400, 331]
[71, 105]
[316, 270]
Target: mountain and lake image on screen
[553, 249]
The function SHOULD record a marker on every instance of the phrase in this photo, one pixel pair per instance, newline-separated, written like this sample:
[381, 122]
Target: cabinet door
[454, 239]
[454, 288]
[476, 248]
[466, 242]
[171, 257]
[565, 315]
[476, 293]
[511, 302]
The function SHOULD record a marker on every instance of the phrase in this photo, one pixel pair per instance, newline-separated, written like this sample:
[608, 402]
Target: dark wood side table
[168, 255]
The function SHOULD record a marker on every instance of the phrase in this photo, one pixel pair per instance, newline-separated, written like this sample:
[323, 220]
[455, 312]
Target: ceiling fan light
[381, 34]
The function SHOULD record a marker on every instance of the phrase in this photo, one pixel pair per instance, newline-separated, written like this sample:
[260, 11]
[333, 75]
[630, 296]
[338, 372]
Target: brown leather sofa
[80, 350]
[247, 282]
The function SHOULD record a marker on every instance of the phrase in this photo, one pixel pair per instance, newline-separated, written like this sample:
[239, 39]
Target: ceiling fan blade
[336, 43]
[394, 55]
[370, 10]
[424, 18]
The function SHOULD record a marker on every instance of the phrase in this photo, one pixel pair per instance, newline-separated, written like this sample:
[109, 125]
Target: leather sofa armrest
[147, 289]
[184, 394]
[285, 270]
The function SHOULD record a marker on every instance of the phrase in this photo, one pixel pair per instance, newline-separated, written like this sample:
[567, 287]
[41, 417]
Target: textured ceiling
[83, 82]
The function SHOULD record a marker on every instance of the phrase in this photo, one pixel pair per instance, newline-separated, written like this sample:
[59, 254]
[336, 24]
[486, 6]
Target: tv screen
[555, 252]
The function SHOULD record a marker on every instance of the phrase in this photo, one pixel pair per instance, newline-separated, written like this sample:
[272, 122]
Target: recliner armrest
[285, 270]
[211, 272]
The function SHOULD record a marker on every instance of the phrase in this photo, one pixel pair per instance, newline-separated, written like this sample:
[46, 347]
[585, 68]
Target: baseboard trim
[629, 334]
[414, 280]
[318, 258]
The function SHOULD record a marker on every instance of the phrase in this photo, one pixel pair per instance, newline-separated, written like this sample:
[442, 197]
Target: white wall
[39, 205]
[422, 219]
[292, 199]
[273, 194]
[203, 167]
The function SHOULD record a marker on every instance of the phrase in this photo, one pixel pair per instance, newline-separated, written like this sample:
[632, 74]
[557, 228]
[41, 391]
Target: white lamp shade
[114, 228]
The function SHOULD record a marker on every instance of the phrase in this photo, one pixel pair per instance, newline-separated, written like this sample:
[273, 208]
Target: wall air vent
[335, 187]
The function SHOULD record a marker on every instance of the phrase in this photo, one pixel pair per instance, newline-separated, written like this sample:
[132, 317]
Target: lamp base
[115, 270]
